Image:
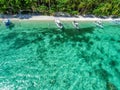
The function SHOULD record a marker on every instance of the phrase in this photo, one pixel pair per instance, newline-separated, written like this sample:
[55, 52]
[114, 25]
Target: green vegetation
[97, 7]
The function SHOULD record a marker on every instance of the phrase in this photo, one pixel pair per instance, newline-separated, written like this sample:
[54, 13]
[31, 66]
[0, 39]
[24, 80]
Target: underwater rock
[113, 63]
[110, 86]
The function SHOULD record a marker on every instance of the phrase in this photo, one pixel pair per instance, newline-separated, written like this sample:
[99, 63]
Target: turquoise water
[37, 55]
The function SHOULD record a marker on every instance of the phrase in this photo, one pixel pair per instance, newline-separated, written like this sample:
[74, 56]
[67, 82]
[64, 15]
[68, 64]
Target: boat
[59, 24]
[8, 23]
[116, 21]
[99, 24]
[75, 24]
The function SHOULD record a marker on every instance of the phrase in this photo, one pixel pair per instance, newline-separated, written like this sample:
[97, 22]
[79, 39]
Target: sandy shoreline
[51, 18]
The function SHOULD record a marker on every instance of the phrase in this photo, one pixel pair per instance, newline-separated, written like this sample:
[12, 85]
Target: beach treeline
[73, 7]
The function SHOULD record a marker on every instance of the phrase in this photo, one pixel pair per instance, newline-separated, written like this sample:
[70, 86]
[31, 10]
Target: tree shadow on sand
[67, 34]
[81, 31]
[78, 35]
[24, 40]
[9, 37]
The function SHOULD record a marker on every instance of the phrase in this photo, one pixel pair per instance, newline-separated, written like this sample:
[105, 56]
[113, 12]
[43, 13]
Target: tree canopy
[97, 7]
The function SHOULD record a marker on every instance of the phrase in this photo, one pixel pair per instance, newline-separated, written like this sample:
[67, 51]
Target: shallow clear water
[37, 55]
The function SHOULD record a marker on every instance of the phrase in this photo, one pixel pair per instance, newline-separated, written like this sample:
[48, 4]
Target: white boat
[99, 24]
[75, 24]
[59, 24]
[116, 21]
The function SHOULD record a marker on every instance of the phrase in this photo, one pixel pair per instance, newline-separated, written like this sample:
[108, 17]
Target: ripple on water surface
[37, 55]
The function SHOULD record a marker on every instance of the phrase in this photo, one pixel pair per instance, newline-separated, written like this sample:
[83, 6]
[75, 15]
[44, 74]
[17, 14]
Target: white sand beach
[49, 18]
[66, 18]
